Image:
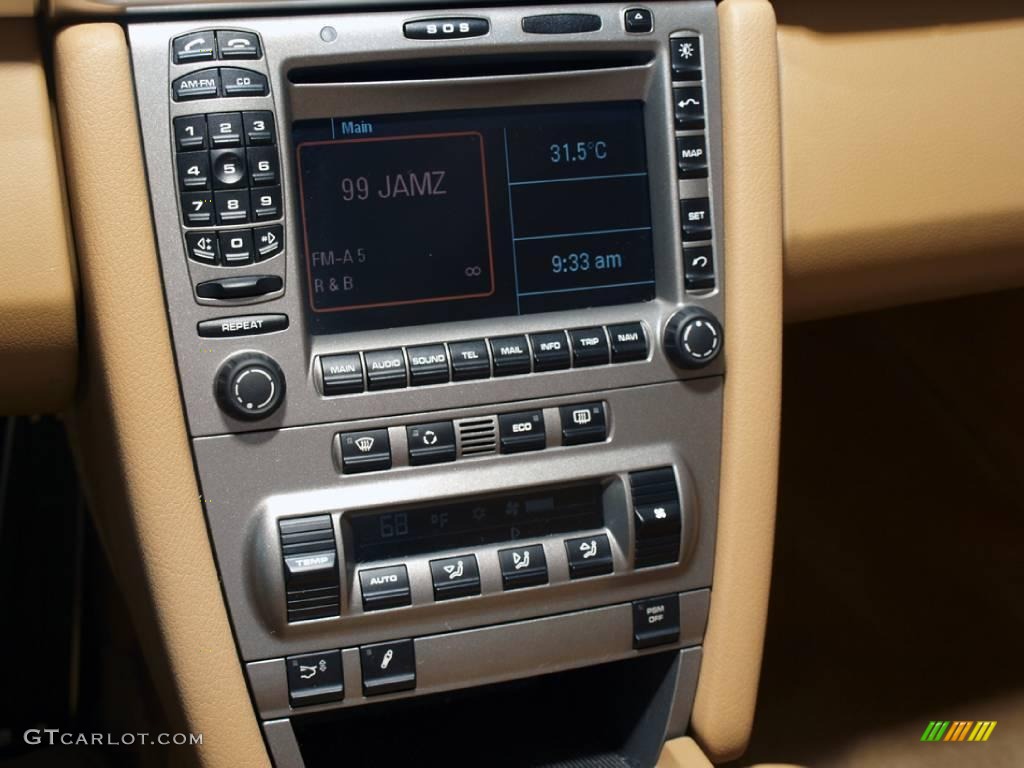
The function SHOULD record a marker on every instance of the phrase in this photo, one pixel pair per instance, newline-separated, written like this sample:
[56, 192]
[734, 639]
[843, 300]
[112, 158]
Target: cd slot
[456, 67]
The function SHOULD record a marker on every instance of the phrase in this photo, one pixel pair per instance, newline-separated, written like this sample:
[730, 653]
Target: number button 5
[228, 168]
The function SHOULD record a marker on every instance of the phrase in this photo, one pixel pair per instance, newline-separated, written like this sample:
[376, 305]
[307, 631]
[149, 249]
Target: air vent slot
[476, 437]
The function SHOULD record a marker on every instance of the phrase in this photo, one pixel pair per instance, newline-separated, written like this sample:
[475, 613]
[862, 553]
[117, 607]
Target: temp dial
[693, 337]
[249, 386]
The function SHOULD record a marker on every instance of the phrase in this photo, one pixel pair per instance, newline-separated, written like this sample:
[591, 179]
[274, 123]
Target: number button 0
[228, 168]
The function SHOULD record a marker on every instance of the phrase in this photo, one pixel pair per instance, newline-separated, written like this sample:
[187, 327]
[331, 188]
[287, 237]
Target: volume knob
[249, 386]
[693, 337]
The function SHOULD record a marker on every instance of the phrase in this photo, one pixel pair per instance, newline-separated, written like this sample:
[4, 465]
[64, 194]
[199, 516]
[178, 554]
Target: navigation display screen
[443, 216]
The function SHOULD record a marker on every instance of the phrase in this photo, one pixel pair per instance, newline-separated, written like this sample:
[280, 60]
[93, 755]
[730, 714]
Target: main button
[432, 443]
[385, 369]
[589, 346]
[589, 556]
[455, 577]
[202, 84]
[342, 374]
[428, 364]
[366, 451]
[583, 423]
[388, 667]
[246, 325]
[629, 342]
[386, 587]
[550, 351]
[470, 360]
[686, 58]
[656, 621]
[193, 47]
[523, 431]
[446, 28]
[315, 678]
[511, 355]
[523, 566]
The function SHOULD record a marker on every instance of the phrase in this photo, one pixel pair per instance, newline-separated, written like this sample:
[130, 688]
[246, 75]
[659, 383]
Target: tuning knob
[249, 386]
[693, 337]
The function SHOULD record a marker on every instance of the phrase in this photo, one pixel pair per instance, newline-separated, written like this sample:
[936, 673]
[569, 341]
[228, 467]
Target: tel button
[470, 360]
[384, 587]
[315, 678]
[656, 621]
[523, 431]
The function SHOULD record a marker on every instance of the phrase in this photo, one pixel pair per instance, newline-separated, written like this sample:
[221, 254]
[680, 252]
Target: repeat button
[245, 325]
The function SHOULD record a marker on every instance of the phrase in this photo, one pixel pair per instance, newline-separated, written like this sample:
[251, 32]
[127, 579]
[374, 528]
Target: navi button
[366, 451]
[628, 342]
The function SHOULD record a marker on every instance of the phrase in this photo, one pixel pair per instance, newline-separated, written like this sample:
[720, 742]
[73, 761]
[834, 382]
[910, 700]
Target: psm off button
[656, 621]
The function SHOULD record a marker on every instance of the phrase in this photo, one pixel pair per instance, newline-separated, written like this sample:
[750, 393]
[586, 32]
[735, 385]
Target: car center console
[444, 290]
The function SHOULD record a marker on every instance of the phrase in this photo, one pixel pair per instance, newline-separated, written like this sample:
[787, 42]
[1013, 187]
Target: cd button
[628, 342]
[589, 347]
[385, 369]
[589, 556]
[511, 355]
[431, 443]
[243, 82]
[366, 451]
[583, 423]
[470, 360]
[428, 364]
[342, 374]
[455, 577]
[523, 431]
[523, 566]
[550, 351]
[386, 587]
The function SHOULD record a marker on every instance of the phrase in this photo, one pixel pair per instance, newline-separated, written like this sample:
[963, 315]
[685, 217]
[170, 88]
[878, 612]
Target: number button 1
[190, 132]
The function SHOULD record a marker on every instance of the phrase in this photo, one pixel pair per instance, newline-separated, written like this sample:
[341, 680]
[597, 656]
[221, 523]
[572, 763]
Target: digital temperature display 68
[433, 217]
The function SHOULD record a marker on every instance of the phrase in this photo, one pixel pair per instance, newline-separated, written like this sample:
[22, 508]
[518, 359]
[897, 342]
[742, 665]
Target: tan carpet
[898, 591]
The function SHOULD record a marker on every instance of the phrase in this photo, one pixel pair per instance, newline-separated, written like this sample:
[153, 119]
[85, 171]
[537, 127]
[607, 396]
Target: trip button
[589, 556]
[388, 667]
[583, 423]
[523, 431]
[550, 351]
[629, 342]
[685, 58]
[315, 678]
[523, 566]
[237, 45]
[696, 218]
[243, 82]
[470, 360]
[692, 157]
[366, 451]
[689, 106]
[428, 364]
[204, 84]
[385, 369]
[432, 443]
[589, 347]
[193, 47]
[511, 355]
[341, 374]
[455, 577]
[386, 587]
[656, 621]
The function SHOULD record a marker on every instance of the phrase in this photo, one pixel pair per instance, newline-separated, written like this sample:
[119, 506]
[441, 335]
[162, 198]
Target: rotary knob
[693, 337]
[250, 386]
